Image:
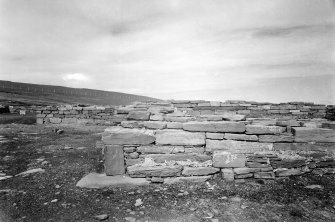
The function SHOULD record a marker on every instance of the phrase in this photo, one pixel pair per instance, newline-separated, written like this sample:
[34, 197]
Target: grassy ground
[66, 158]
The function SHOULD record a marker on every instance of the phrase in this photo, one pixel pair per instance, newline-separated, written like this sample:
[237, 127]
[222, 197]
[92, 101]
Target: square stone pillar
[114, 160]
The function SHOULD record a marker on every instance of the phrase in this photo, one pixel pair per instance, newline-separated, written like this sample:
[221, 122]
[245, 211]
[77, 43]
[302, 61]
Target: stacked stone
[254, 109]
[164, 144]
[76, 114]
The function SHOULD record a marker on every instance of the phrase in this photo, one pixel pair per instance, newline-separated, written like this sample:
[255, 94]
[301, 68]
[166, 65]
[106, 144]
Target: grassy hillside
[25, 93]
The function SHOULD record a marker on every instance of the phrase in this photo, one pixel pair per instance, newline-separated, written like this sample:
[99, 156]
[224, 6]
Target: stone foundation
[164, 144]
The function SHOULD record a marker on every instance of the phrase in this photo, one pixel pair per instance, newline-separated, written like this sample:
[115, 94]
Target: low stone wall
[76, 114]
[167, 144]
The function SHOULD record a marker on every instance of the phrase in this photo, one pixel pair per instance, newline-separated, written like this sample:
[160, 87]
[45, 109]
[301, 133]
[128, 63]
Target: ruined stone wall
[195, 141]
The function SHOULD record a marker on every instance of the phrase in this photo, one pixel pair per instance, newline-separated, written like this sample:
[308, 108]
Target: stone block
[132, 124]
[179, 137]
[223, 159]
[39, 121]
[180, 119]
[263, 121]
[276, 138]
[131, 162]
[241, 137]
[292, 123]
[215, 136]
[259, 129]
[154, 124]
[138, 115]
[284, 172]
[161, 149]
[237, 146]
[114, 160]
[243, 176]
[264, 175]
[330, 147]
[305, 134]
[156, 117]
[225, 126]
[55, 120]
[194, 149]
[194, 179]
[174, 125]
[119, 135]
[227, 174]
[161, 158]
[154, 171]
[232, 116]
[246, 170]
[199, 171]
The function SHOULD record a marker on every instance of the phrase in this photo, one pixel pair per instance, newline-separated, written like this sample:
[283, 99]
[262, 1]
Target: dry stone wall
[192, 141]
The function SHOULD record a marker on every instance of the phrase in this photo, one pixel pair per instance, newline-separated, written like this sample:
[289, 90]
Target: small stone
[243, 206]
[57, 186]
[314, 186]
[138, 202]
[54, 201]
[236, 199]
[101, 217]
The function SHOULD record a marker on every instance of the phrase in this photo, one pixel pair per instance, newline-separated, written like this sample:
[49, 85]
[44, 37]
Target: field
[52, 195]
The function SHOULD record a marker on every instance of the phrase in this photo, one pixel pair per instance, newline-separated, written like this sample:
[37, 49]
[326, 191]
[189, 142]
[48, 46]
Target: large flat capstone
[211, 126]
[305, 134]
[179, 137]
[154, 171]
[122, 136]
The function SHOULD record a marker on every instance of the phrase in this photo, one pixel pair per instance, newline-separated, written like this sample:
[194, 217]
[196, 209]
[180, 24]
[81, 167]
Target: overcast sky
[262, 50]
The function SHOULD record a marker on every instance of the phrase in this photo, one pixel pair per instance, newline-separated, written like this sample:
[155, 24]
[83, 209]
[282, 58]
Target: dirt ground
[52, 195]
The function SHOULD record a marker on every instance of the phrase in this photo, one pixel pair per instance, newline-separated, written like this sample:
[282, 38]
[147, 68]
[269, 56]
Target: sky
[259, 50]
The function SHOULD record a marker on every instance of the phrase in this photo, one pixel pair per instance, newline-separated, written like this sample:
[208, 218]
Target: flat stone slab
[95, 180]
[260, 129]
[154, 171]
[179, 137]
[193, 179]
[223, 159]
[125, 136]
[306, 134]
[237, 146]
[222, 126]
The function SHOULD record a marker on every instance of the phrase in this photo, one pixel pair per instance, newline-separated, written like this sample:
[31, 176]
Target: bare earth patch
[52, 195]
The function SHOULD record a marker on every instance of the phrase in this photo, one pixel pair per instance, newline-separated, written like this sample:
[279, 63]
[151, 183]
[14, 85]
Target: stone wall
[194, 140]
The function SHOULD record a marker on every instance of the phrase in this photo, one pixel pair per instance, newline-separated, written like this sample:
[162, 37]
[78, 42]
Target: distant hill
[26, 93]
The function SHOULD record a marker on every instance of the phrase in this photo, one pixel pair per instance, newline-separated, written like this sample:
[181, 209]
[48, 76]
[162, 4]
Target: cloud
[75, 77]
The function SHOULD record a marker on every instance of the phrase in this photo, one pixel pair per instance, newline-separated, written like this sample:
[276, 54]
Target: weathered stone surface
[237, 146]
[194, 179]
[161, 158]
[264, 175]
[284, 172]
[157, 180]
[179, 137]
[276, 138]
[305, 146]
[215, 136]
[194, 149]
[114, 160]
[132, 124]
[39, 121]
[138, 115]
[153, 171]
[288, 163]
[174, 125]
[224, 126]
[259, 129]
[199, 171]
[156, 117]
[223, 159]
[305, 134]
[55, 120]
[180, 119]
[154, 125]
[242, 137]
[227, 174]
[246, 170]
[119, 135]
[133, 155]
[161, 149]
